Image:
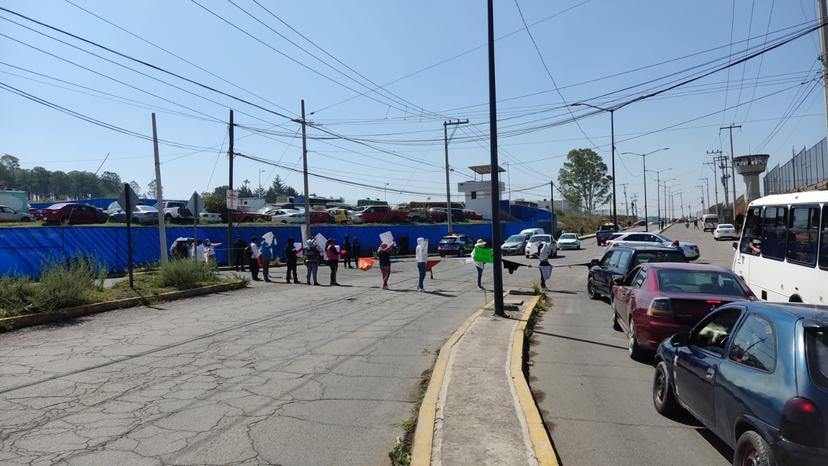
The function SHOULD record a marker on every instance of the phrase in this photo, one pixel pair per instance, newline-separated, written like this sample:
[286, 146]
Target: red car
[320, 216]
[382, 214]
[241, 216]
[72, 213]
[657, 300]
[472, 215]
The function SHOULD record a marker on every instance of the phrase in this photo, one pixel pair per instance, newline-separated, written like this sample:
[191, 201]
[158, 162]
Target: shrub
[184, 274]
[67, 284]
[15, 295]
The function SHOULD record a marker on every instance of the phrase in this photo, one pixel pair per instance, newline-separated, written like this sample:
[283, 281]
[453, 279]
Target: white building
[478, 193]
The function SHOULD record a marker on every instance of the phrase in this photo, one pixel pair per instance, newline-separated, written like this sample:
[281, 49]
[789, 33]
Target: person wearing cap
[421, 253]
[312, 258]
[384, 256]
[480, 244]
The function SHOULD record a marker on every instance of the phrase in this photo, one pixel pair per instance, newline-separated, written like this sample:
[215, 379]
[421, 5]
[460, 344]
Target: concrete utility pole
[715, 180]
[626, 204]
[823, 41]
[305, 171]
[446, 124]
[231, 153]
[707, 185]
[159, 197]
[701, 188]
[552, 205]
[681, 202]
[732, 169]
[722, 161]
[497, 267]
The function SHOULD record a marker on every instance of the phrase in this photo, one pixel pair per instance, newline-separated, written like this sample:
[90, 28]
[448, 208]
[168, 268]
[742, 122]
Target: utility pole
[823, 41]
[722, 160]
[497, 267]
[733, 166]
[231, 153]
[159, 197]
[701, 188]
[715, 153]
[707, 185]
[305, 171]
[681, 202]
[626, 204]
[446, 124]
[552, 206]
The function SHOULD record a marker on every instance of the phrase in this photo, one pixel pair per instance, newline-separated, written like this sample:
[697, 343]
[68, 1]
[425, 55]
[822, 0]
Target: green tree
[216, 202]
[583, 179]
[111, 184]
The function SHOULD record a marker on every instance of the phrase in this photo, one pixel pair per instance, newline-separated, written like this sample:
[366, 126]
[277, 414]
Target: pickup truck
[605, 232]
[383, 214]
[175, 211]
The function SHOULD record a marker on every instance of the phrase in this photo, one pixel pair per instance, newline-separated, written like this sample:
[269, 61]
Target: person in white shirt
[198, 251]
[544, 250]
[255, 257]
[480, 244]
[421, 253]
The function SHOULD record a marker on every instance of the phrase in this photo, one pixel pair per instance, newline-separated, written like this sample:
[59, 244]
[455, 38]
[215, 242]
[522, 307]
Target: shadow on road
[608, 345]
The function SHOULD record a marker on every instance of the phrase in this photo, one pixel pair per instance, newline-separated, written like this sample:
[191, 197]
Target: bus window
[753, 229]
[803, 235]
[774, 232]
[823, 244]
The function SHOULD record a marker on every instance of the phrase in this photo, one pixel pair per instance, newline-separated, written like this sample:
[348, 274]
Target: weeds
[185, 274]
[15, 295]
[62, 284]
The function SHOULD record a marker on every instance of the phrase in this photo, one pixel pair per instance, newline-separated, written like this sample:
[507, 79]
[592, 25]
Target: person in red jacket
[333, 260]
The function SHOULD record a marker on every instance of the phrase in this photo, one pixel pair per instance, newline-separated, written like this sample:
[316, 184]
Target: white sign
[269, 238]
[387, 238]
[195, 204]
[319, 241]
[233, 202]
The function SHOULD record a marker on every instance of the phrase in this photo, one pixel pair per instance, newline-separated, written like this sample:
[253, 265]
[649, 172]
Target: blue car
[756, 375]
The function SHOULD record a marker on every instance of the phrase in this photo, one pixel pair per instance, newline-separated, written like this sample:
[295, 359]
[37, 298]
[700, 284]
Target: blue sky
[385, 41]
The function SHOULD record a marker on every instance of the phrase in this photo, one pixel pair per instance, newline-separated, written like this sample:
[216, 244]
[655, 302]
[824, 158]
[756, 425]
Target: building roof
[485, 169]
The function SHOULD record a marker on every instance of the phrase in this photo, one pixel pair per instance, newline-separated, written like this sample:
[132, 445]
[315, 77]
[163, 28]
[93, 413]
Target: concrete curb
[541, 443]
[29, 320]
[424, 435]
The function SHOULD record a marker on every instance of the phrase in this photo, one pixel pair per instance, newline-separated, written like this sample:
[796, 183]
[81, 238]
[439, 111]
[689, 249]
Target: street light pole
[446, 124]
[707, 185]
[612, 142]
[497, 267]
[644, 162]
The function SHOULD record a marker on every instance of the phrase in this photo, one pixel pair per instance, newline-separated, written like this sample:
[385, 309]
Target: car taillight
[660, 307]
[802, 422]
[714, 301]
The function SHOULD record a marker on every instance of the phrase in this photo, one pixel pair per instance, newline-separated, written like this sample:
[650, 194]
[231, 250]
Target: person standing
[333, 260]
[238, 254]
[544, 249]
[355, 249]
[266, 255]
[198, 251]
[290, 260]
[255, 256]
[346, 253]
[480, 244]
[421, 254]
[384, 257]
[209, 253]
[312, 258]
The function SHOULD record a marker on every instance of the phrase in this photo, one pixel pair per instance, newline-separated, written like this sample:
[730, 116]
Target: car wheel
[168, 218]
[664, 397]
[591, 291]
[752, 450]
[615, 325]
[636, 352]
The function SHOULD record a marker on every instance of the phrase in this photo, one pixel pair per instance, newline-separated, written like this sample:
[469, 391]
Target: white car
[286, 216]
[209, 217]
[356, 215]
[691, 250]
[725, 230]
[569, 241]
[531, 249]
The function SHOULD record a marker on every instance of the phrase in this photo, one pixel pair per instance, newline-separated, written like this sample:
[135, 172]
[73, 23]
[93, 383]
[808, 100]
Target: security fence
[808, 167]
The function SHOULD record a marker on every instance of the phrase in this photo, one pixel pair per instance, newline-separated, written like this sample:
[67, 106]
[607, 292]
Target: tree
[151, 187]
[279, 189]
[216, 202]
[111, 183]
[10, 162]
[583, 179]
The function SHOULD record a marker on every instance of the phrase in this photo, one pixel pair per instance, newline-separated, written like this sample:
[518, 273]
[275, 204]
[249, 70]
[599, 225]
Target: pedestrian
[290, 260]
[543, 265]
[355, 249]
[198, 251]
[333, 260]
[346, 253]
[384, 256]
[266, 255]
[255, 257]
[312, 258]
[209, 252]
[695, 224]
[421, 254]
[480, 244]
[238, 254]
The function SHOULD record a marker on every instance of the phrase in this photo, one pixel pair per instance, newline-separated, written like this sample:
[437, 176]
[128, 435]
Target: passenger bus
[783, 251]
[709, 222]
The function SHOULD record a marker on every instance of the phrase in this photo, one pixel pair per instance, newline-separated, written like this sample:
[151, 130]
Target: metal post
[129, 208]
[495, 178]
[646, 220]
[732, 170]
[449, 212]
[823, 41]
[230, 155]
[552, 205]
[305, 171]
[612, 141]
[159, 197]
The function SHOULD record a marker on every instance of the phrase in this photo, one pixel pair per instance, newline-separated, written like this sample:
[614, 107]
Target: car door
[6, 214]
[601, 273]
[622, 294]
[696, 364]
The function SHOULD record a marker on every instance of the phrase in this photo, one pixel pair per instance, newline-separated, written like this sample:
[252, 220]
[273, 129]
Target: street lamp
[260, 180]
[644, 161]
[611, 111]
[658, 191]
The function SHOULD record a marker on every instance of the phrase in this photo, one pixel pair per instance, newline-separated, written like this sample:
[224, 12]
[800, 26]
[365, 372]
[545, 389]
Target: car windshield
[537, 238]
[816, 351]
[699, 281]
[56, 206]
[146, 208]
[607, 227]
[448, 240]
[663, 238]
[514, 239]
[569, 236]
[711, 219]
[658, 256]
[723, 226]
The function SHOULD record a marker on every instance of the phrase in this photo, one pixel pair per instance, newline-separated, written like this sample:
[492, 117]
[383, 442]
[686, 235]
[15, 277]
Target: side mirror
[734, 245]
[680, 339]
[594, 262]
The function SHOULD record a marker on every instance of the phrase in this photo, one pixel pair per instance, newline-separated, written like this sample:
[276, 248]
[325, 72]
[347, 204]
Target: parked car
[618, 261]
[569, 241]
[529, 232]
[532, 245]
[243, 216]
[472, 215]
[209, 217]
[657, 300]
[640, 223]
[338, 215]
[7, 214]
[142, 214]
[725, 231]
[756, 375]
[73, 213]
[515, 244]
[36, 214]
[320, 216]
[175, 211]
[605, 232]
[691, 250]
[418, 215]
[383, 214]
[438, 214]
[356, 215]
[455, 245]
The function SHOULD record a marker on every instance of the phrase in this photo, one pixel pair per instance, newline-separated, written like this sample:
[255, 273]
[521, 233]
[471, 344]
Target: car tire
[752, 449]
[168, 218]
[664, 397]
[636, 351]
[591, 291]
[615, 325]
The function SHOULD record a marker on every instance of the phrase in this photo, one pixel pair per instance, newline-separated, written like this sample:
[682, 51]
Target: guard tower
[750, 167]
[479, 192]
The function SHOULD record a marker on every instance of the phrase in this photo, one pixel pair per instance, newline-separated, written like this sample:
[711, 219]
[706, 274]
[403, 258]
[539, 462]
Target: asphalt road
[274, 374]
[595, 400]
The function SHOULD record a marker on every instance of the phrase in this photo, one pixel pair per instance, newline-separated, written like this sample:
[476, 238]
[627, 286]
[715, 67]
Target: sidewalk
[478, 408]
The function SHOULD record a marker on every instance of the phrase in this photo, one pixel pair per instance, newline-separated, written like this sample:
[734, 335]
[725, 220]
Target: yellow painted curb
[423, 436]
[541, 443]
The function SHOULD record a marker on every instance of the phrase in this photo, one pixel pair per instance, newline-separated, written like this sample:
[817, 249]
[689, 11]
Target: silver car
[514, 244]
[569, 241]
[7, 214]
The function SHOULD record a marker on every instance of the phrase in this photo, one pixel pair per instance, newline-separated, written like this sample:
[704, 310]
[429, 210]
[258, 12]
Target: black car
[618, 261]
[756, 375]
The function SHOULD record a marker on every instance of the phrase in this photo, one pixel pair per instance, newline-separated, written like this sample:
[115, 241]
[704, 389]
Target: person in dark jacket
[355, 249]
[239, 259]
[384, 256]
[290, 260]
[346, 253]
[333, 260]
[312, 259]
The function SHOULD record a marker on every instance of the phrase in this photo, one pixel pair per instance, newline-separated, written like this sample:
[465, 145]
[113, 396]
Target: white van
[709, 222]
[529, 232]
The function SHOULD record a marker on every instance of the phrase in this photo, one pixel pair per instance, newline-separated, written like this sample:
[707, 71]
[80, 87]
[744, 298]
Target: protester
[312, 258]
[290, 260]
[255, 257]
[333, 260]
[355, 249]
[198, 251]
[346, 253]
[384, 257]
[480, 244]
[695, 224]
[209, 252]
[543, 265]
[239, 258]
[266, 256]
[421, 254]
